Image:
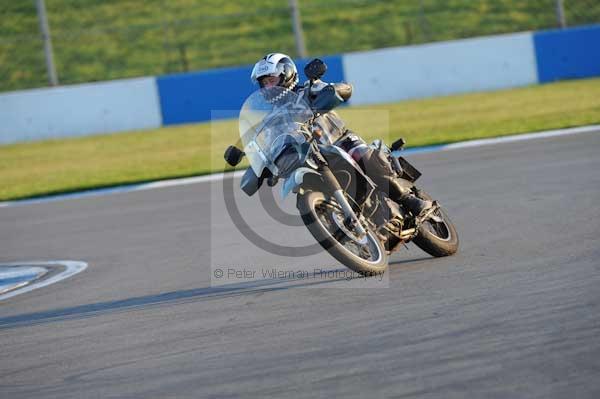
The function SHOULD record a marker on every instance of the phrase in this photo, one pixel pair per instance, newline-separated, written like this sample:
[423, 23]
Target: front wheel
[324, 219]
[437, 234]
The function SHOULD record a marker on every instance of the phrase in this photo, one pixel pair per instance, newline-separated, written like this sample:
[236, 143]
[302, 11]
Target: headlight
[287, 161]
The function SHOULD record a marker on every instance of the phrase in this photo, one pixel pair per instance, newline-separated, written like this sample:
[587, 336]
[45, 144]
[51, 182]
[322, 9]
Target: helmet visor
[269, 81]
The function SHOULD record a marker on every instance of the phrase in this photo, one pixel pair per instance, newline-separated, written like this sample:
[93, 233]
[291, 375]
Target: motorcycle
[345, 211]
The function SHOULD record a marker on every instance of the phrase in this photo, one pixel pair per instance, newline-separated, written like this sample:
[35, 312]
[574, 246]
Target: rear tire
[437, 239]
[313, 207]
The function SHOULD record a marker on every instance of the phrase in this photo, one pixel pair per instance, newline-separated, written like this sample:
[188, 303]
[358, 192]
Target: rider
[277, 69]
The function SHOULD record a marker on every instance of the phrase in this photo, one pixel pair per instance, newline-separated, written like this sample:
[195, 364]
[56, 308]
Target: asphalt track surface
[515, 314]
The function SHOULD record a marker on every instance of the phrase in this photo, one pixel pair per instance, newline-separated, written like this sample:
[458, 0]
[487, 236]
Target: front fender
[295, 180]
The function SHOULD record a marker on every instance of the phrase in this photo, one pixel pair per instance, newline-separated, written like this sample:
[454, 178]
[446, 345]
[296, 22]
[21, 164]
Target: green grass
[55, 166]
[108, 39]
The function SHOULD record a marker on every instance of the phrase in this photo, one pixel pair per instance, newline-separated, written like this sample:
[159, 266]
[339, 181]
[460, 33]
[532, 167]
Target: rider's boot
[416, 205]
[399, 192]
[378, 167]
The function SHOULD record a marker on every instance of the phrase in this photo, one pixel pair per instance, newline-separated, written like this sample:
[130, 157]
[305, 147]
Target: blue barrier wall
[190, 97]
[568, 54]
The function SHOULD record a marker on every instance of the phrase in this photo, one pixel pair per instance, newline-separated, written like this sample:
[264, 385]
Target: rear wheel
[437, 234]
[324, 219]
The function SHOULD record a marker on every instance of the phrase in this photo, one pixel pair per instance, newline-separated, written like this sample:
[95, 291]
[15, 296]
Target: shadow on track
[169, 298]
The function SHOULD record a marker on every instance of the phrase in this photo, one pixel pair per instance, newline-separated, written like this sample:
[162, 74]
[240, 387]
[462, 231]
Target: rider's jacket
[330, 122]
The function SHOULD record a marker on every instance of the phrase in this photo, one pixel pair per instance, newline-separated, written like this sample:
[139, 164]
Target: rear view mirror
[315, 69]
[233, 155]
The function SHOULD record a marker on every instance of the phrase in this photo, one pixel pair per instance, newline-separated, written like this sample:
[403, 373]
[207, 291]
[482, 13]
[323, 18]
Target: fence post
[423, 22]
[560, 14]
[45, 29]
[297, 25]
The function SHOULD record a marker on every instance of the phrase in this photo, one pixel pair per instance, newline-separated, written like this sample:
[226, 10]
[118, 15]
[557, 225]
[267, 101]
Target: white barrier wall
[79, 110]
[445, 68]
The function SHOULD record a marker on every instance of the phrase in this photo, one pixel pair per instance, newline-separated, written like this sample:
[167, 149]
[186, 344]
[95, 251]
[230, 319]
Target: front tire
[321, 217]
[435, 238]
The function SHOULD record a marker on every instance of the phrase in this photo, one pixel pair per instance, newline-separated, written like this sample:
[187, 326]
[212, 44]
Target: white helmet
[276, 64]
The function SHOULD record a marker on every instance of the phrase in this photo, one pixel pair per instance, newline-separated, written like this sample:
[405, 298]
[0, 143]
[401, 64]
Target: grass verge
[96, 40]
[59, 166]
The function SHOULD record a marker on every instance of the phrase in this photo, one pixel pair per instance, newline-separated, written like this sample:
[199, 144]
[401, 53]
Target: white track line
[220, 176]
[124, 189]
[504, 139]
[71, 268]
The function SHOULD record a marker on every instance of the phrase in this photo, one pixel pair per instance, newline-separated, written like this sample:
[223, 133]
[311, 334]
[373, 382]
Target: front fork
[338, 193]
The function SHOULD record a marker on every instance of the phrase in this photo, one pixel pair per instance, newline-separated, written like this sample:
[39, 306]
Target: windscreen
[269, 125]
